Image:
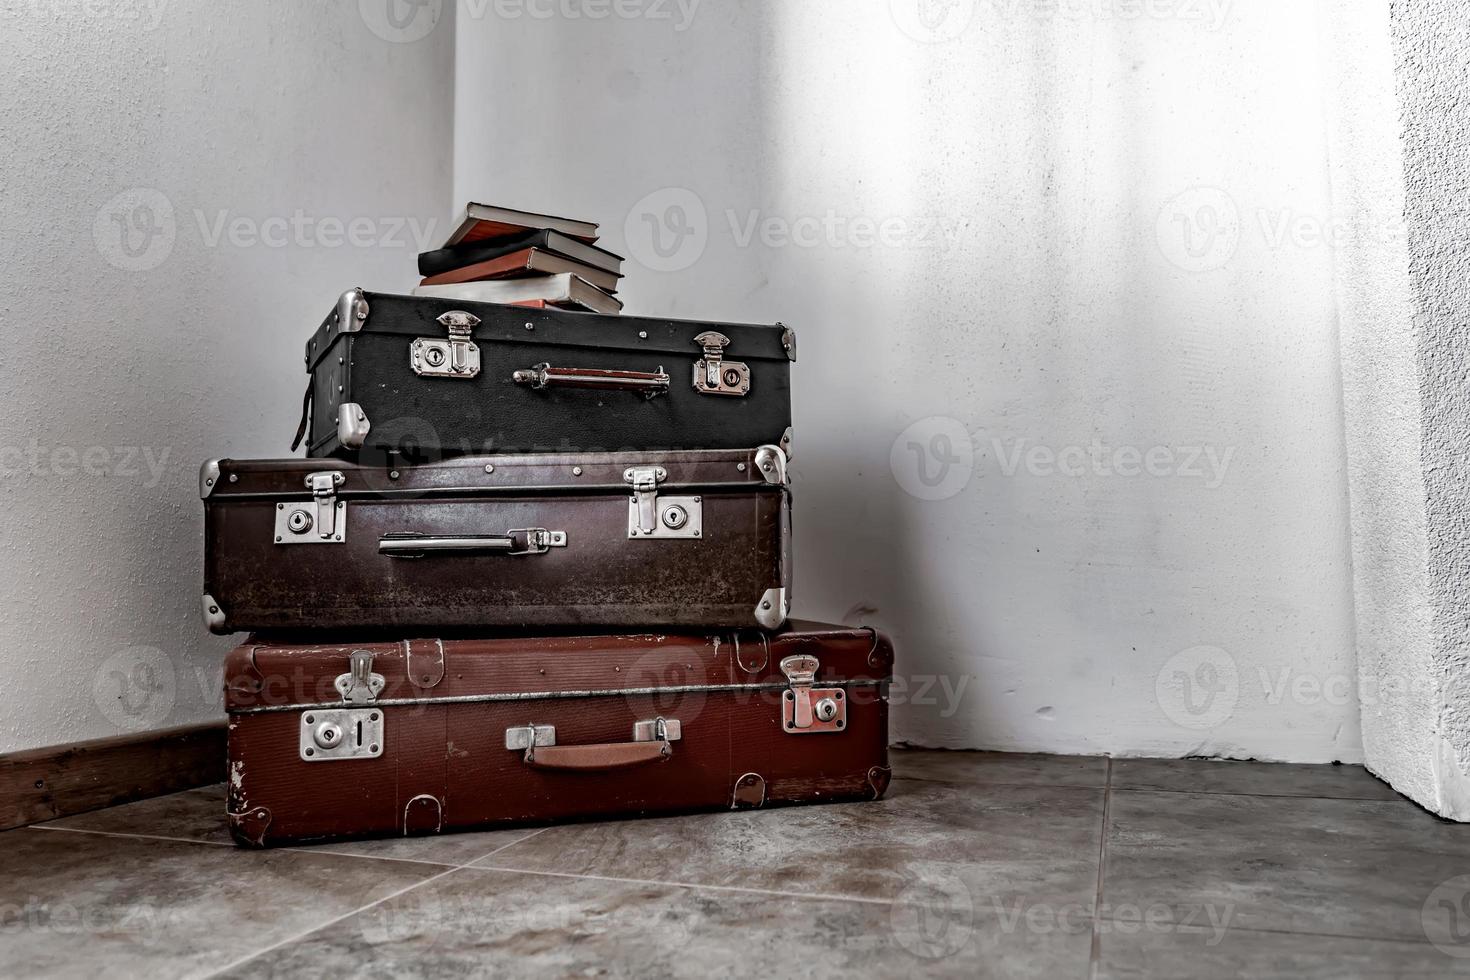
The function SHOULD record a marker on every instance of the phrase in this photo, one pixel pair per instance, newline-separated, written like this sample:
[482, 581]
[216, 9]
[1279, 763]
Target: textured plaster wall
[132, 352]
[1005, 233]
[1433, 61]
[1382, 386]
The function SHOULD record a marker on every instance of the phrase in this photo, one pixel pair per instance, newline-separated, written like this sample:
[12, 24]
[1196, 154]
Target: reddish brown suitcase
[697, 539]
[384, 737]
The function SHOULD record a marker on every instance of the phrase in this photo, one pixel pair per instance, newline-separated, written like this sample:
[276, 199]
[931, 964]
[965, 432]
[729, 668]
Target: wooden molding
[44, 784]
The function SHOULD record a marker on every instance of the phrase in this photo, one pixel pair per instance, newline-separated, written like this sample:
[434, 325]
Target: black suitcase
[423, 378]
[616, 539]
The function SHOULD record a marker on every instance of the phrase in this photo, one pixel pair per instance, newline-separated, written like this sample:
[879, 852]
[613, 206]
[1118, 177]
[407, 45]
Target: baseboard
[44, 784]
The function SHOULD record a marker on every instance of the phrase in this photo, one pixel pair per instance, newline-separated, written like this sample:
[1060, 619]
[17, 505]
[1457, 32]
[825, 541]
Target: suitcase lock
[807, 710]
[323, 521]
[333, 734]
[652, 516]
[716, 376]
[457, 357]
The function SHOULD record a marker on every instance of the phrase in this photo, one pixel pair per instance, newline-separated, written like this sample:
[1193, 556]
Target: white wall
[1404, 304]
[1035, 289]
[121, 371]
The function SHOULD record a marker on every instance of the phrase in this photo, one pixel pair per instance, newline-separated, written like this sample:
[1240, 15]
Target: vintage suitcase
[382, 737]
[615, 539]
[427, 378]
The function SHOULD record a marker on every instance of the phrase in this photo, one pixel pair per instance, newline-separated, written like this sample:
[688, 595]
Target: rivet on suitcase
[383, 737]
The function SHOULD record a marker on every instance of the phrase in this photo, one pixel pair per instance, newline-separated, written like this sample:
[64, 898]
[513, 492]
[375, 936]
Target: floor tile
[1339, 867]
[997, 844]
[998, 767]
[1206, 955]
[89, 905]
[487, 923]
[1258, 778]
[199, 814]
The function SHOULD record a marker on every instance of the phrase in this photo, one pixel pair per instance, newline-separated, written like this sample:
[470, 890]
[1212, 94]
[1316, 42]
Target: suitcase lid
[418, 316]
[268, 673]
[722, 470]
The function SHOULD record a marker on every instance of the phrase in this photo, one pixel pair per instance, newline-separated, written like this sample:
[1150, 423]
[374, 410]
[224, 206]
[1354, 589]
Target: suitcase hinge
[807, 710]
[457, 357]
[324, 521]
[716, 376]
[653, 517]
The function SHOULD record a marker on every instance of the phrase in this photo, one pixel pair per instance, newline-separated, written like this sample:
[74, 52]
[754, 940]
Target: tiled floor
[976, 865]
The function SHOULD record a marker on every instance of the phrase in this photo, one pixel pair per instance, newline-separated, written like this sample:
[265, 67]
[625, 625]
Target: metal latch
[329, 734]
[359, 685]
[655, 517]
[806, 710]
[457, 357]
[323, 521]
[716, 376]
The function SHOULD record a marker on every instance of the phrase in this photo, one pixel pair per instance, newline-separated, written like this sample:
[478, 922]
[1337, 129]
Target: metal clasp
[457, 357]
[805, 709]
[359, 685]
[653, 517]
[323, 521]
[538, 541]
[716, 376]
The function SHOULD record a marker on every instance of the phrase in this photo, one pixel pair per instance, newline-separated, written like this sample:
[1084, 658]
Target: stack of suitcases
[536, 566]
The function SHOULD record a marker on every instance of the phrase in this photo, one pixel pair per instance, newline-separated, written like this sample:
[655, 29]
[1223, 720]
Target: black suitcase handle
[527, 541]
[545, 376]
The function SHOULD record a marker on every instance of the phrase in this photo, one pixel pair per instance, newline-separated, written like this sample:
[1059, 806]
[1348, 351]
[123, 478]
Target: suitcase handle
[653, 741]
[545, 376]
[597, 758]
[527, 541]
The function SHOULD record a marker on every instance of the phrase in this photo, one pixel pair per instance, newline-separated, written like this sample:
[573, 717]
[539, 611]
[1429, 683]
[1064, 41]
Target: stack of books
[501, 255]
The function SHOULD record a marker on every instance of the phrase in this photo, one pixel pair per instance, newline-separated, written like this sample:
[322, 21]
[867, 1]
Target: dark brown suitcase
[384, 738]
[698, 539]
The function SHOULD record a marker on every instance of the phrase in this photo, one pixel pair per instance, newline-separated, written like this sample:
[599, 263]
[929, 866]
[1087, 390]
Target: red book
[519, 265]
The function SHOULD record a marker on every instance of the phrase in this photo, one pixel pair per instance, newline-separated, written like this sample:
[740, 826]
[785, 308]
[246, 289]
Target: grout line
[1310, 934]
[1265, 796]
[1095, 954]
[519, 840]
[739, 889]
[115, 833]
[328, 924]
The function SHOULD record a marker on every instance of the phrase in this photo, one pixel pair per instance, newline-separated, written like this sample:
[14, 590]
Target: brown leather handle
[546, 376]
[593, 758]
